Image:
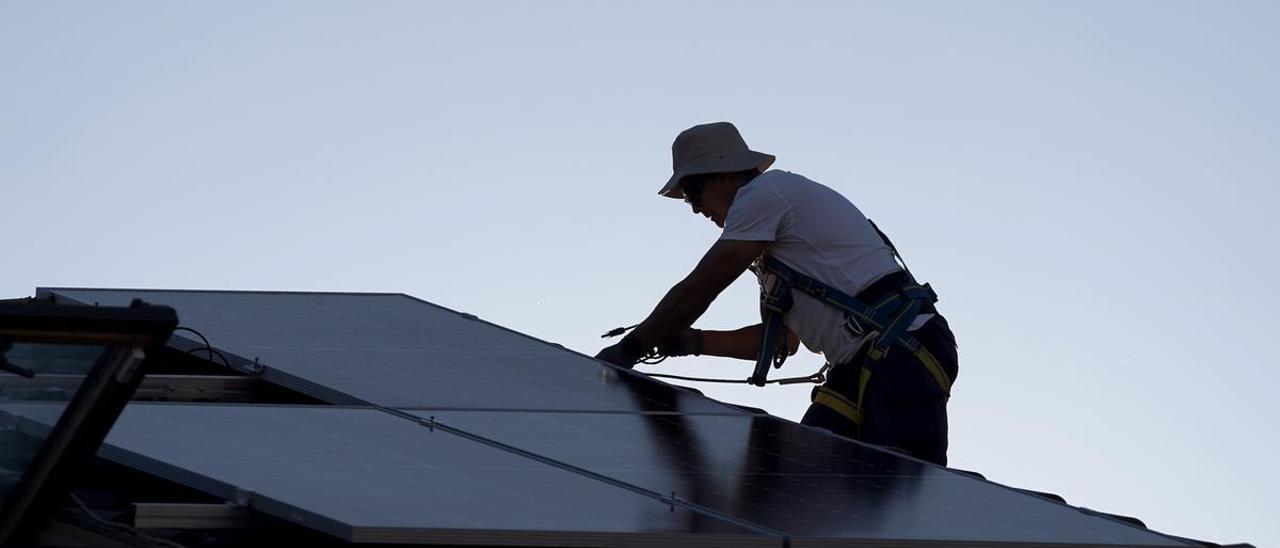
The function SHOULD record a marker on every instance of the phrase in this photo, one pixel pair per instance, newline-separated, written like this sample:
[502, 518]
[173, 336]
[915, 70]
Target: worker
[829, 279]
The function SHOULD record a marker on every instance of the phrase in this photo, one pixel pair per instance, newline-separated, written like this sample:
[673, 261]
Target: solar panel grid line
[804, 485]
[672, 499]
[282, 462]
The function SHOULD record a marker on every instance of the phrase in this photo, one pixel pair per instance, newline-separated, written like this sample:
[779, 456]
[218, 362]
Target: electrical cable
[93, 516]
[208, 347]
[214, 353]
[700, 379]
[203, 338]
[818, 377]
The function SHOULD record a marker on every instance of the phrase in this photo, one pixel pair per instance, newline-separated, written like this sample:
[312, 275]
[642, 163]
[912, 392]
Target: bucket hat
[710, 148]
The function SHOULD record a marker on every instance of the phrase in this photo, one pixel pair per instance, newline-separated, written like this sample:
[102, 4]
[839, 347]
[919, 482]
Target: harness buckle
[853, 326]
[776, 296]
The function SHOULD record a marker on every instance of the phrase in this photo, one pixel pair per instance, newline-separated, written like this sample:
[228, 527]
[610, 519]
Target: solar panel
[815, 487]
[394, 350]
[532, 443]
[368, 476]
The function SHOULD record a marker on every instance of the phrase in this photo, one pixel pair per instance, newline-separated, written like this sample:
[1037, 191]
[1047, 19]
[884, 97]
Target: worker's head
[711, 194]
[710, 162]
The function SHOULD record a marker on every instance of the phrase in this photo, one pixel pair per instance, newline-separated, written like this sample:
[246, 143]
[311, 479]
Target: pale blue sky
[1089, 185]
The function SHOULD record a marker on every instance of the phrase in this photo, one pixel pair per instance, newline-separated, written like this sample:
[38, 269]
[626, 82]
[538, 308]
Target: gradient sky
[1090, 186]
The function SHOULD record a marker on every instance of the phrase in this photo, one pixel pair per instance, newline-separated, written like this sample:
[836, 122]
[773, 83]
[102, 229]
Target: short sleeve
[756, 215]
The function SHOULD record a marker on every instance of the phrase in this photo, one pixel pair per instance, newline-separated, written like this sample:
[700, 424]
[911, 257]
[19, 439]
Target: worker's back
[820, 233]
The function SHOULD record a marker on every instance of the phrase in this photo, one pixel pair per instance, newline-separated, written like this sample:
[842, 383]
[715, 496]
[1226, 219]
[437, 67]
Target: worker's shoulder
[787, 184]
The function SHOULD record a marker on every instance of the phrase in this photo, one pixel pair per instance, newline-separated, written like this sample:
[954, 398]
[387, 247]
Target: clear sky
[1089, 185]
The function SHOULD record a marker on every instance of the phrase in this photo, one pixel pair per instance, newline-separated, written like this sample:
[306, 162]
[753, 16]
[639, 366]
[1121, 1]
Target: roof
[417, 424]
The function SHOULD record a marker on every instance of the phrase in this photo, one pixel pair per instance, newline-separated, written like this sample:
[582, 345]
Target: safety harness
[884, 323]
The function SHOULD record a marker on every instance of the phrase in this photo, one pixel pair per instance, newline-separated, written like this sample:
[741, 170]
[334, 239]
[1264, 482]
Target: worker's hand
[624, 354]
[685, 343]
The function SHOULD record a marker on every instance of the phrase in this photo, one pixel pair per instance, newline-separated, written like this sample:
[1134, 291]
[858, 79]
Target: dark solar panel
[368, 476]
[806, 483]
[393, 350]
[534, 443]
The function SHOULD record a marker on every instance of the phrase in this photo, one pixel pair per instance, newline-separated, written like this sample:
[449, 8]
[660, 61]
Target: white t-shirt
[818, 232]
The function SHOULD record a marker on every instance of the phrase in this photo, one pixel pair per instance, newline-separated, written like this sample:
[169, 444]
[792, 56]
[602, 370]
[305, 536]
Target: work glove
[685, 343]
[624, 354]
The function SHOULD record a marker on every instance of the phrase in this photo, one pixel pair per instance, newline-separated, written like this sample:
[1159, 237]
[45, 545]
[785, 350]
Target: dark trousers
[903, 407]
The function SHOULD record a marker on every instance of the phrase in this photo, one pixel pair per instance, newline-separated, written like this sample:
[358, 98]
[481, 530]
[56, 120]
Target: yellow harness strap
[852, 410]
[935, 368]
[840, 404]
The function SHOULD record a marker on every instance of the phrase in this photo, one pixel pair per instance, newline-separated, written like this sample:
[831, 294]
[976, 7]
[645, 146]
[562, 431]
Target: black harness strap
[886, 322]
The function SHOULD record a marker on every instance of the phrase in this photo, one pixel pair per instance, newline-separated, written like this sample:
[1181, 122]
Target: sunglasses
[693, 191]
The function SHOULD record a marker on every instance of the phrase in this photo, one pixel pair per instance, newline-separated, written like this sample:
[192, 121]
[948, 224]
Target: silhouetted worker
[829, 279]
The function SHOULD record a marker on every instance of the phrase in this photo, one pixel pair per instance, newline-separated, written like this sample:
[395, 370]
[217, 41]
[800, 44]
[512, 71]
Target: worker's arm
[741, 343]
[687, 300]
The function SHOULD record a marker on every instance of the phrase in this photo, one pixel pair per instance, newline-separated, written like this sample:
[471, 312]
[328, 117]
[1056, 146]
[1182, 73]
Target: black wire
[202, 338]
[700, 379]
[208, 347]
[133, 531]
[816, 378]
[213, 352]
[197, 333]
